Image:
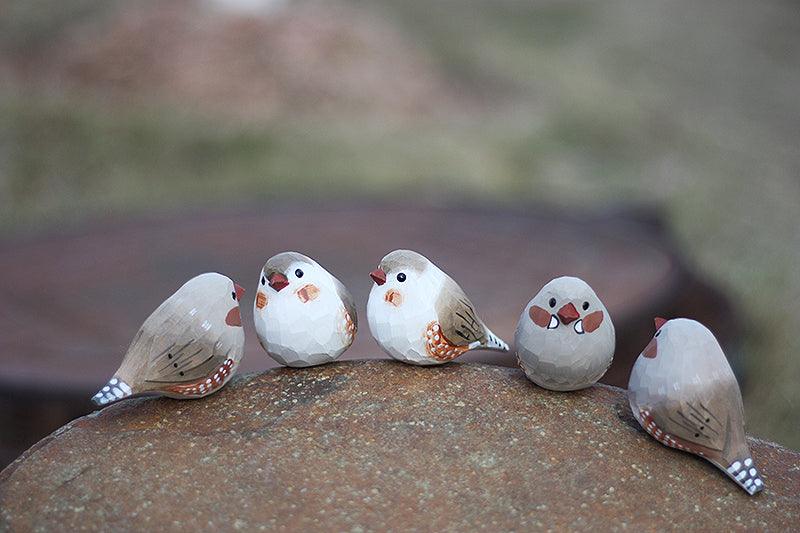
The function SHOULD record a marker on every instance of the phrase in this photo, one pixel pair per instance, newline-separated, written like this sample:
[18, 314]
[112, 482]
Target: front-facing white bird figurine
[565, 338]
[188, 347]
[419, 315]
[303, 315]
[683, 392]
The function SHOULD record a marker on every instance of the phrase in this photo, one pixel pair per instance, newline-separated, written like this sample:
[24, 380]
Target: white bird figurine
[419, 315]
[303, 315]
[565, 338]
[188, 347]
[683, 392]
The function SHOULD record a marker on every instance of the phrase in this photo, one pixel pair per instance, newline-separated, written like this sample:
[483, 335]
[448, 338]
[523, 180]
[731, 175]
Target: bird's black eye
[585, 306]
[298, 273]
[401, 277]
[263, 280]
[233, 295]
[552, 302]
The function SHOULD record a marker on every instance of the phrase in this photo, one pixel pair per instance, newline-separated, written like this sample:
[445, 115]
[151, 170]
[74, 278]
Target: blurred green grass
[689, 107]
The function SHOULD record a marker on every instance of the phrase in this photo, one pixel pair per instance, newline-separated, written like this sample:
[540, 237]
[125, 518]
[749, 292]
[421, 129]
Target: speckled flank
[349, 327]
[649, 424]
[438, 347]
[206, 385]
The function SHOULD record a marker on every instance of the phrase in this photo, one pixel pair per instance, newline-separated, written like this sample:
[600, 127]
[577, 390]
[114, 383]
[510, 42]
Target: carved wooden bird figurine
[419, 315]
[683, 392]
[303, 315]
[565, 338]
[188, 347]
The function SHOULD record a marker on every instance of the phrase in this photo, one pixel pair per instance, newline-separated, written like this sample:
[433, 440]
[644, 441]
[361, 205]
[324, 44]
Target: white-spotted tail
[493, 342]
[115, 389]
[745, 474]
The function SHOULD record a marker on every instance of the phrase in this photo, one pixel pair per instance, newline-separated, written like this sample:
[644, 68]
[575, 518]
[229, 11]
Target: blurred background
[651, 147]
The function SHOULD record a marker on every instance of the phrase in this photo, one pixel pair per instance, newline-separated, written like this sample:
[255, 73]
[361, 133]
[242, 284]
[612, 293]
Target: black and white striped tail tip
[493, 342]
[115, 389]
[746, 476]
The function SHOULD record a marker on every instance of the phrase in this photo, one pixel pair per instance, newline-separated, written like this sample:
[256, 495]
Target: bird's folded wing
[182, 355]
[457, 317]
[347, 300]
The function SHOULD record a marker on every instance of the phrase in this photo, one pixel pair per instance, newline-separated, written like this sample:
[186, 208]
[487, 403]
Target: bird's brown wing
[457, 317]
[708, 417]
[179, 352]
[347, 300]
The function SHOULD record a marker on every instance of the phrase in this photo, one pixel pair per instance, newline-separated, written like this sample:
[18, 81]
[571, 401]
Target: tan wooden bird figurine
[419, 315]
[683, 392]
[189, 347]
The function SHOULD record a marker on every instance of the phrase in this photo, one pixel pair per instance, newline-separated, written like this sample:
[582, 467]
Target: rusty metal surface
[378, 445]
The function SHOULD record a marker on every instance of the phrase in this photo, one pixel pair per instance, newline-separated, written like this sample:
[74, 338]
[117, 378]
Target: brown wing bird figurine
[419, 315]
[683, 392]
[188, 348]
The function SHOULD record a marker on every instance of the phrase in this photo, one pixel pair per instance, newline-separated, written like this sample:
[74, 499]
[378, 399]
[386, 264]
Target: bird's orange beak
[278, 281]
[239, 291]
[659, 322]
[568, 313]
[378, 276]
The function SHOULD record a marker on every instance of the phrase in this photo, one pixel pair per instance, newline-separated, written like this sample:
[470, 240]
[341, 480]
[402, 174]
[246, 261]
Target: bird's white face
[404, 282]
[298, 285]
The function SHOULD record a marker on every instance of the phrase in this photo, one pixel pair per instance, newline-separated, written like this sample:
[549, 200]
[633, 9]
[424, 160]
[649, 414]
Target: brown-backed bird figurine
[683, 392]
[189, 347]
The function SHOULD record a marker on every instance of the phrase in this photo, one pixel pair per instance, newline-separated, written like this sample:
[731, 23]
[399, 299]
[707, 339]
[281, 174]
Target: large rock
[378, 445]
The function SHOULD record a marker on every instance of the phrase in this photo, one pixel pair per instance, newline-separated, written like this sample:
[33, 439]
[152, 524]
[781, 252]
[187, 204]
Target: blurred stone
[379, 445]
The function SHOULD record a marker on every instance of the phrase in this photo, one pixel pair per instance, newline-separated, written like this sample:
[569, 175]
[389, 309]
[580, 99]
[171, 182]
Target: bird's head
[401, 274]
[290, 275]
[217, 298]
[570, 303]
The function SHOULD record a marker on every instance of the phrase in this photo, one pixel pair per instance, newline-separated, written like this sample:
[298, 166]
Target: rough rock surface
[378, 445]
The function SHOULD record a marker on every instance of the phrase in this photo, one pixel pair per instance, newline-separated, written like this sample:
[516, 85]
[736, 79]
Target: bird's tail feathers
[115, 389]
[745, 474]
[493, 342]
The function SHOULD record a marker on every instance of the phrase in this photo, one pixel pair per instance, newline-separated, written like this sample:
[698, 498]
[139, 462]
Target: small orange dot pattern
[438, 347]
[206, 385]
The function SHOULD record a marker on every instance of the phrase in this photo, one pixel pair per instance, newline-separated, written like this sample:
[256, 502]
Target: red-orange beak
[278, 281]
[239, 291]
[659, 322]
[568, 314]
[378, 276]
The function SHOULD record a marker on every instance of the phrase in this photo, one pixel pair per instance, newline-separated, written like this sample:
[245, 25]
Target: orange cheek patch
[394, 297]
[261, 300]
[540, 317]
[308, 293]
[592, 321]
[651, 350]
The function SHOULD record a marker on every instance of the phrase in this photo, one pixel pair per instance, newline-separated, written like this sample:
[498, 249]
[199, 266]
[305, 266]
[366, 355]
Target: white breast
[303, 334]
[400, 331]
